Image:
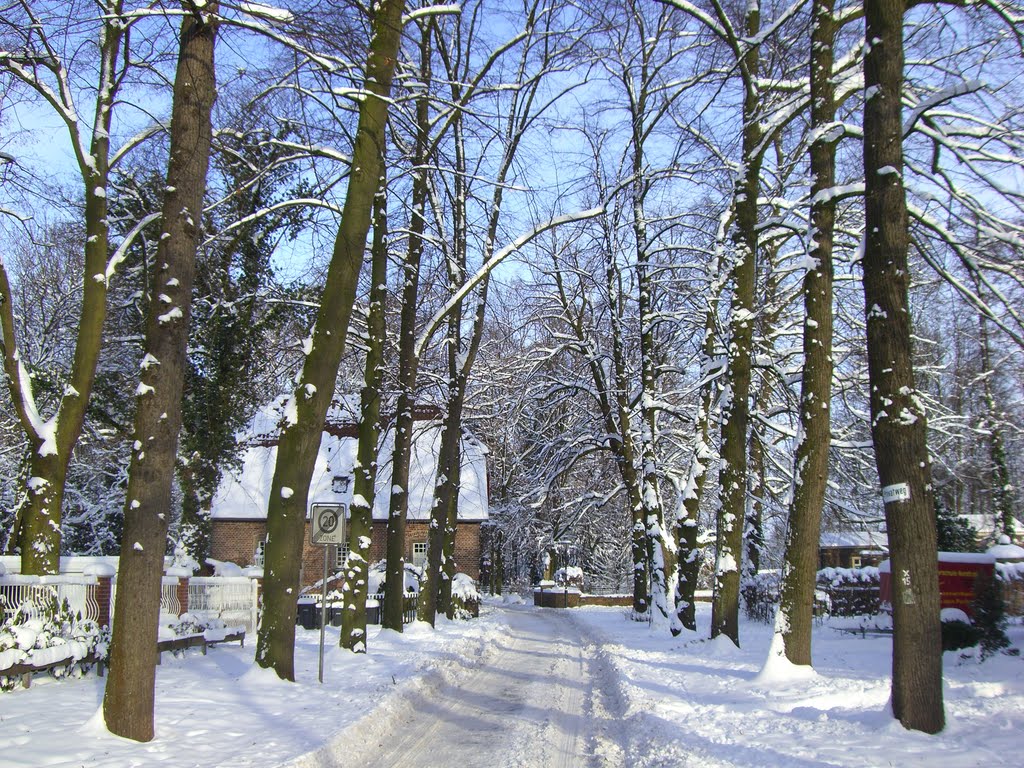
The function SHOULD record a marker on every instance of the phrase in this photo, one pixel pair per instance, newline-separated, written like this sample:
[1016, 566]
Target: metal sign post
[327, 530]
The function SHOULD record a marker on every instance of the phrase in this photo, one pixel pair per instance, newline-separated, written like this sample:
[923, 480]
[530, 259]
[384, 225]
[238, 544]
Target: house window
[855, 561]
[340, 483]
[341, 556]
[419, 554]
[260, 554]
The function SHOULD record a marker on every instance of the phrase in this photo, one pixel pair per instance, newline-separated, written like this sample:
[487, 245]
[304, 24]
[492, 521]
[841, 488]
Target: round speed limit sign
[328, 524]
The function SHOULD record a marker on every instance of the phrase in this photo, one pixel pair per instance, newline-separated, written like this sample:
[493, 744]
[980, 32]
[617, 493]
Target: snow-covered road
[540, 696]
[533, 688]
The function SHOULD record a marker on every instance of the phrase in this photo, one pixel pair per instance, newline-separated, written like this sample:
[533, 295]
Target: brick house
[239, 508]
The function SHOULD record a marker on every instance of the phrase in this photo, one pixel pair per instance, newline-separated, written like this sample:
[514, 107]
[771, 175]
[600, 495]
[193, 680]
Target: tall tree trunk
[52, 441]
[712, 365]
[897, 417]
[408, 359]
[129, 697]
[660, 544]
[364, 492]
[300, 440]
[451, 502]
[432, 597]
[625, 448]
[810, 475]
[736, 399]
[1002, 491]
[686, 527]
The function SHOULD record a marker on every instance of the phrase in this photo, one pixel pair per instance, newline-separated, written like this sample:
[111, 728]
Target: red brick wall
[236, 541]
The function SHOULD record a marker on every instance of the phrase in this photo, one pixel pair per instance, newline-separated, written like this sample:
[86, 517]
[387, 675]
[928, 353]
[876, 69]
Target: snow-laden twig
[489, 266]
[431, 10]
[122, 250]
[940, 97]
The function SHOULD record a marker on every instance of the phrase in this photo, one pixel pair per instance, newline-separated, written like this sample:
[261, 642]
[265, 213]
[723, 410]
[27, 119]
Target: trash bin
[308, 617]
[373, 612]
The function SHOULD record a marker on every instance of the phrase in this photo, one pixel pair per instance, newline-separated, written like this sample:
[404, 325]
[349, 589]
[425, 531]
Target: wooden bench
[197, 641]
[26, 670]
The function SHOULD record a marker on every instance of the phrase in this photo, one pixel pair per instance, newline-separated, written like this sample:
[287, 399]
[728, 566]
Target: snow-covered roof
[986, 525]
[855, 539]
[244, 494]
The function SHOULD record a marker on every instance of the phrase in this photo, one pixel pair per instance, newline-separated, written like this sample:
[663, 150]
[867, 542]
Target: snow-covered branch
[486, 269]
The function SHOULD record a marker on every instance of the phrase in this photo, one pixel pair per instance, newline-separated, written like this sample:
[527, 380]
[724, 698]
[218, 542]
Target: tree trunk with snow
[129, 698]
[661, 549]
[432, 596]
[687, 548]
[408, 358]
[364, 490]
[451, 501]
[625, 446]
[897, 415]
[426, 608]
[810, 477]
[52, 441]
[736, 405]
[1002, 490]
[300, 440]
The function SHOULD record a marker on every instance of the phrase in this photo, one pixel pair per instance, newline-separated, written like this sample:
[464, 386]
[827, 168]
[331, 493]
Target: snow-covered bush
[958, 633]
[990, 619]
[760, 592]
[840, 592]
[47, 634]
[377, 576]
[465, 597]
[850, 591]
[190, 624]
[841, 577]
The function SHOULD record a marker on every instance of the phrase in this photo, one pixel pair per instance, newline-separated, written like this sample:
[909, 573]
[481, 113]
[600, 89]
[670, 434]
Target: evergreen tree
[955, 534]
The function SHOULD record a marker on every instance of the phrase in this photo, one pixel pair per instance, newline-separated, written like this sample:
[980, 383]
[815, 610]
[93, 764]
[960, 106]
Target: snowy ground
[623, 695]
[712, 697]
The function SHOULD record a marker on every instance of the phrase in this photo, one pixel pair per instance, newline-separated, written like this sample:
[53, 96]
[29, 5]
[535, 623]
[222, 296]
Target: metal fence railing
[375, 605]
[169, 602]
[231, 599]
[36, 596]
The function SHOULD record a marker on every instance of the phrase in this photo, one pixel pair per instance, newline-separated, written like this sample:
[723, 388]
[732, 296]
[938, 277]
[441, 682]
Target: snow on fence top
[89, 565]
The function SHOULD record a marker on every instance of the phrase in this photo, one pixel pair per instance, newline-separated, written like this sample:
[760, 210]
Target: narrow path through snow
[543, 697]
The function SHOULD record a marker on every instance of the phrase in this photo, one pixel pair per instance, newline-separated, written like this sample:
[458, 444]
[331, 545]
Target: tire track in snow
[540, 696]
